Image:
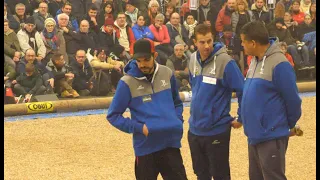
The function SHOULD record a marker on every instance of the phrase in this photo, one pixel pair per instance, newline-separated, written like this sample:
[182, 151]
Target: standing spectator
[208, 13]
[52, 39]
[107, 36]
[12, 4]
[170, 8]
[92, 18]
[140, 30]
[153, 10]
[178, 63]
[214, 75]
[271, 106]
[28, 83]
[291, 25]
[261, 12]
[313, 12]
[224, 16]
[82, 73]
[305, 27]
[106, 13]
[124, 33]
[305, 6]
[178, 33]
[71, 38]
[72, 22]
[29, 37]
[41, 16]
[284, 47]
[13, 24]
[63, 76]
[54, 6]
[78, 9]
[88, 39]
[161, 39]
[12, 50]
[281, 7]
[20, 15]
[156, 143]
[297, 15]
[241, 16]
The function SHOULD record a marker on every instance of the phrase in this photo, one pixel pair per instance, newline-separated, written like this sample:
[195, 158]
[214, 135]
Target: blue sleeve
[118, 106]
[149, 33]
[75, 25]
[136, 33]
[176, 97]
[284, 79]
[234, 80]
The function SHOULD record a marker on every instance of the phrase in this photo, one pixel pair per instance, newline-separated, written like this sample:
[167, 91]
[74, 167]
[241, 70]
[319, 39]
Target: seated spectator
[297, 15]
[153, 10]
[20, 15]
[170, 8]
[140, 30]
[305, 6]
[261, 12]
[118, 58]
[72, 21]
[54, 6]
[29, 38]
[284, 47]
[92, 18]
[9, 74]
[12, 6]
[178, 33]
[12, 50]
[282, 6]
[241, 16]
[53, 40]
[107, 36]
[178, 63]
[291, 25]
[41, 16]
[161, 39]
[82, 73]
[224, 16]
[310, 40]
[88, 39]
[305, 27]
[124, 34]
[102, 69]
[132, 13]
[71, 38]
[190, 23]
[106, 13]
[313, 13]
[46, 75]
[13, 24]
[28, 83]
[228, 39]
[63, 76]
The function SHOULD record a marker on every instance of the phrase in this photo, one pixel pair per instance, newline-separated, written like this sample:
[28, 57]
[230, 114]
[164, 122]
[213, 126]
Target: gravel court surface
[88, 147]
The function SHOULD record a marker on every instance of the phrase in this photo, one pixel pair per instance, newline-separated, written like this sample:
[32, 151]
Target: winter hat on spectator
[117, 50]
[49, 20]
[30, 20]
[279, 20]
[108, 21]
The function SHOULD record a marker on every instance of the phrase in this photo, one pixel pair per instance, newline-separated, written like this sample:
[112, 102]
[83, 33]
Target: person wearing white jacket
[29, 38]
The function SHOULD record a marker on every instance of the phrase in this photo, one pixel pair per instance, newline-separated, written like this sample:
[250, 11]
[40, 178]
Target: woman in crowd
[140, 30]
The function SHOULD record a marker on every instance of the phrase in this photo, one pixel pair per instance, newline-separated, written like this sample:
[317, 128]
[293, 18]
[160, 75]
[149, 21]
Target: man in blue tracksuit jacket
[214, 75]
[149, 90]
[270, 105]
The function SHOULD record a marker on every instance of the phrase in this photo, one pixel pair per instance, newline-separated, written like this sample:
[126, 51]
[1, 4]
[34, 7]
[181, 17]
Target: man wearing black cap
[149, 90]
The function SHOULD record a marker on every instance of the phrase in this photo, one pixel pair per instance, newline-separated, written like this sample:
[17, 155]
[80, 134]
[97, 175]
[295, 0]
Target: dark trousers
[21, 90]
[210, 155]
[167, 162]
[267, 160]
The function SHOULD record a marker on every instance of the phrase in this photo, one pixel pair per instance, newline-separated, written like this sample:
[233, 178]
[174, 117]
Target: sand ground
[88, 147]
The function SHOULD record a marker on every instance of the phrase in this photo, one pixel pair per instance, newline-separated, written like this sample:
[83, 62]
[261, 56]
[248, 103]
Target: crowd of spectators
[79, 47]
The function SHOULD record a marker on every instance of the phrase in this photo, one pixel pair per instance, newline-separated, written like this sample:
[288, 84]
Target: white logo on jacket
[212, 71]
[163, 83]
[140, 87]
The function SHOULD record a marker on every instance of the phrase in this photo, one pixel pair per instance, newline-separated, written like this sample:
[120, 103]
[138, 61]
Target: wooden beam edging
[96, 103]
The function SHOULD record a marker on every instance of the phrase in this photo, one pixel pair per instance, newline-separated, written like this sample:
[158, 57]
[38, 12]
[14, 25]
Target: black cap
[142, 48]
[30, 20]
[279, 20]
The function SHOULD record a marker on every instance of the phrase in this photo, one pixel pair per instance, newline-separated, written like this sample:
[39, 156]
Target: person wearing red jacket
[284, 47]
[124, 33]
[297, 15]
[224, 16]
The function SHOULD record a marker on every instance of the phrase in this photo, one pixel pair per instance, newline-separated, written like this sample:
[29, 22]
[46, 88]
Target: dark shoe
[84, 92]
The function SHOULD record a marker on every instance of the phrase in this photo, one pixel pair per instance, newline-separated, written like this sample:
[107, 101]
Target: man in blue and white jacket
[149, 90]
[214, 75]
[270, 105]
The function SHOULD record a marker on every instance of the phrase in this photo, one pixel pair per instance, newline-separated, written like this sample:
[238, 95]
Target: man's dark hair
[66, 4]
[56, 56]
[202, 29]
[120, 13]
[30, 67]
[256, 31]
[92, 7]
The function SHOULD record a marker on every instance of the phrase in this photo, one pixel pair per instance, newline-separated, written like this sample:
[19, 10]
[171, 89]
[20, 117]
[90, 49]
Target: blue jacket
[142, 32]
[270, 103]
[73, 23]
[21, 68]
[213, 82]
[156, 104]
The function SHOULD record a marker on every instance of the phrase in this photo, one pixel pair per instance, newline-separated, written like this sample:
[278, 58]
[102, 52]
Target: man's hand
[177, 74]
[14, 82]
[296, 131]
[39, 58]
[94, 20]
[69, 75]
[51, 82]
[117, 67]
[208, 23]
[192, 47]
[145, 130]
[6, 78]
[156, 43]
[65, 29]
[235, 124]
